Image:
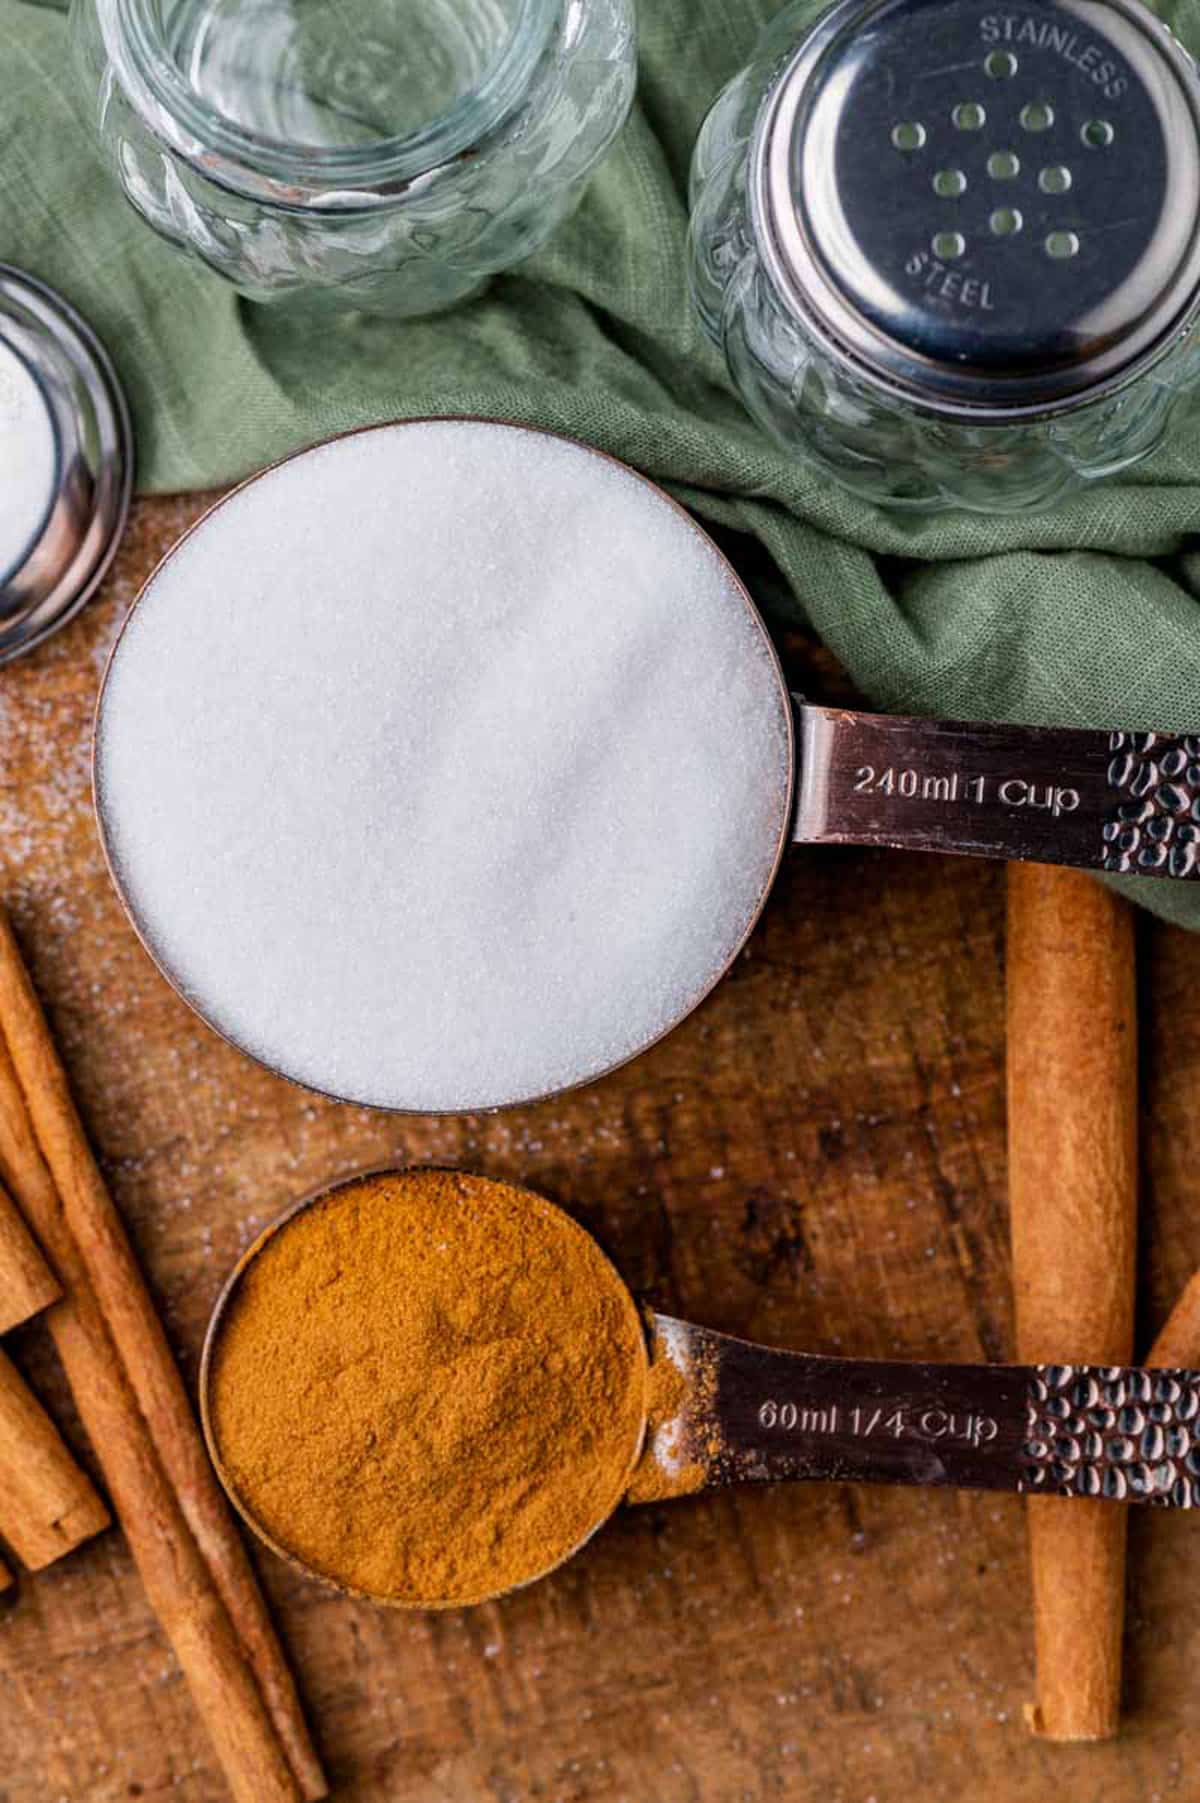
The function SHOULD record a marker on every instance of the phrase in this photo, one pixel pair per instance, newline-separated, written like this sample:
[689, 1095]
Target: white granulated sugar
[28, 459]
[444, 766]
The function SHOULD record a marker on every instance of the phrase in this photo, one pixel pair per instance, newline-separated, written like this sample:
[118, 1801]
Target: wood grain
[815, 1158]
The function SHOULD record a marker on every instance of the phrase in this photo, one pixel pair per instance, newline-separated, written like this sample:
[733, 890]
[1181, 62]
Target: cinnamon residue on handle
[683, 1438]
[428, 1387]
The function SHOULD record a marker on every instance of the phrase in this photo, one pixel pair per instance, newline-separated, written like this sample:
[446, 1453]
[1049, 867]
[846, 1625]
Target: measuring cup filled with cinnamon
[429, 1388]
[448, 765]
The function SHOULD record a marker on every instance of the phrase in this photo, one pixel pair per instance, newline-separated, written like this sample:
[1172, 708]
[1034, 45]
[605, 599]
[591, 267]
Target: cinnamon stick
[27, 1284]
[1178, 1341]
[47, 1504]
[135, 1409]
[1072, 1144]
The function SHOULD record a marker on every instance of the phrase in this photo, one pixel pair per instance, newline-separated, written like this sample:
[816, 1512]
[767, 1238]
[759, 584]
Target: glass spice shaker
[385, 155]
[951, 250]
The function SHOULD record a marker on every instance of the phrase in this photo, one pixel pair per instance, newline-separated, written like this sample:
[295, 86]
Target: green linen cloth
[1087, 615]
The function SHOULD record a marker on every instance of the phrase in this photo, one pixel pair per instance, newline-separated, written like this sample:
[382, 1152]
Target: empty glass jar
[387, 155]
[952, 251]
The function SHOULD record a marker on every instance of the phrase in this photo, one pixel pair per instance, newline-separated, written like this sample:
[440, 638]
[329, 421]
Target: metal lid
[985, 209]
[66, 462]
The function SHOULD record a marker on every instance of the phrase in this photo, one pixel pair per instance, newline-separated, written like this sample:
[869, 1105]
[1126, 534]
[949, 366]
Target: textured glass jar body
[382, 155]
[876, 441]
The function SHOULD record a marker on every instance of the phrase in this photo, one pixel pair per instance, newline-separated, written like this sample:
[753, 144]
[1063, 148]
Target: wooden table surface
[816, 1158]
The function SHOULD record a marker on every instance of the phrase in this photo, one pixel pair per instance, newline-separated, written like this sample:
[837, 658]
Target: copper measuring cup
[753, 1413]
[1119, 801]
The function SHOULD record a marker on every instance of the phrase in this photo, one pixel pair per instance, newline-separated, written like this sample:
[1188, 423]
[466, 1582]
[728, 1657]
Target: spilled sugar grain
[444, 766]
[28, 456]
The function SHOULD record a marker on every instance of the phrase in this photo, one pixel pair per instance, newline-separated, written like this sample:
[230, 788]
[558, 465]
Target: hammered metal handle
[1127, 802]
[1117, 1433]
[1114, 1432]
[1153, 824]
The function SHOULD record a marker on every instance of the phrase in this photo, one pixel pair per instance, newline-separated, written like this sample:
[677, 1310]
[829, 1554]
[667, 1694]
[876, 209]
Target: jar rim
[294, 175]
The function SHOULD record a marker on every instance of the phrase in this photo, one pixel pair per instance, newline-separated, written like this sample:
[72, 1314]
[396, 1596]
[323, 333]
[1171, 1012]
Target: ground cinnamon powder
[683, 1436]
[428, 1387]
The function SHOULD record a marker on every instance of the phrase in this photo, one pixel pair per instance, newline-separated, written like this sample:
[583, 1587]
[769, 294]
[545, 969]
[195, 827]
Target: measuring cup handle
[1114, 1432]
[1126, 802]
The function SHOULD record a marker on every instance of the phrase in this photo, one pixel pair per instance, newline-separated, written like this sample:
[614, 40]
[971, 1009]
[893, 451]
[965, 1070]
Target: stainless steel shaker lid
[985, 208]
[66, 462]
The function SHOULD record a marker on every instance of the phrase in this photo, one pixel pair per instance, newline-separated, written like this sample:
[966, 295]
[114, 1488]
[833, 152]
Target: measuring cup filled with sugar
[430, 1388]
[448, 765]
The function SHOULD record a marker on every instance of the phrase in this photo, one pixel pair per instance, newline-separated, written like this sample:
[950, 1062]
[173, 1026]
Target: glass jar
[951, 252]
[387, 155]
